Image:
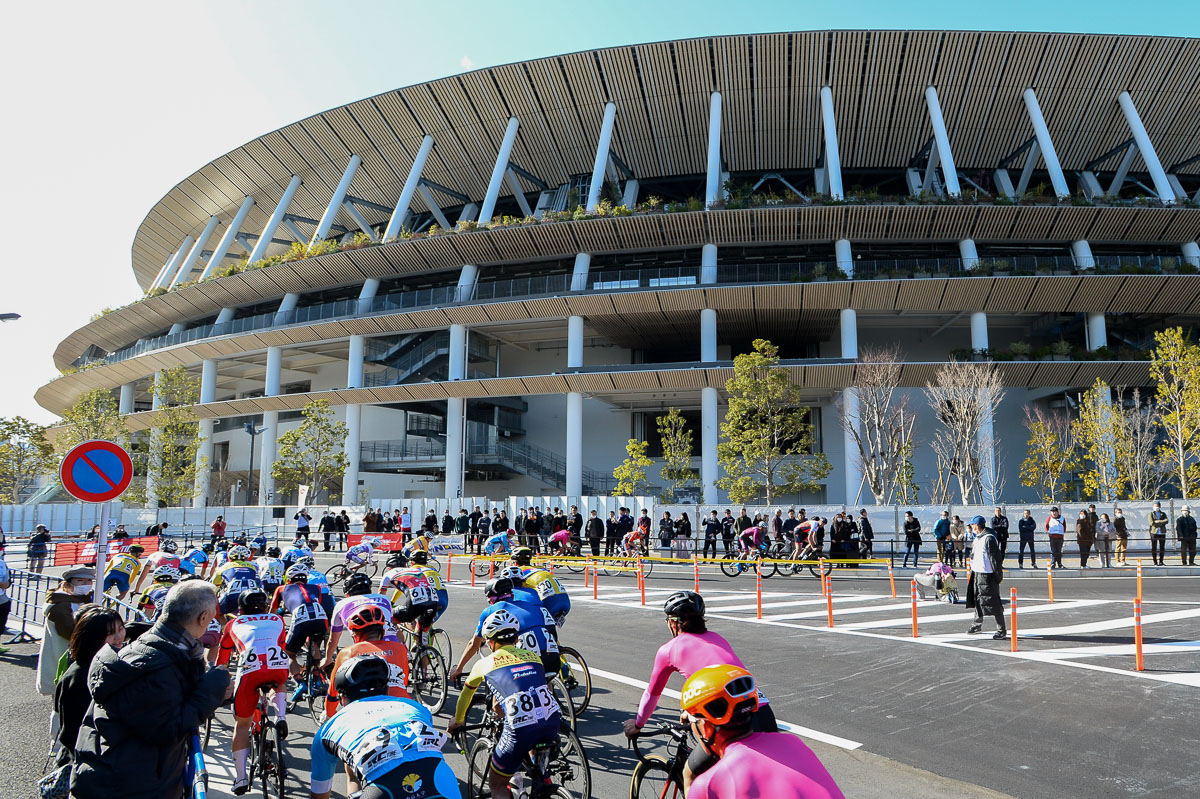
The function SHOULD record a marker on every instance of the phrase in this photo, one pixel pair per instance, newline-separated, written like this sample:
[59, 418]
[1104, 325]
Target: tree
[964, 397]
[171, 462]
[1097, 434]
[878, 420]
[95, 416]
[677, 453]
[631, 472]
[1050, 452]
[766, 438]
[1137, 446]
[25, 456]
[1175, 369]
[312, 454]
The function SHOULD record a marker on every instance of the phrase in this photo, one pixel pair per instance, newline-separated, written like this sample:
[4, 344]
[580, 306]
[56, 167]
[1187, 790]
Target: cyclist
[122, 569]
[815, 541]
[415, 603]
[368, 625]
[631, 542]
[165, 556]
[151, 601]
[500, 543]
[361, 553]
[310, 623]
[328, 601]
[420, 543]
[270, 570]
[258, 637]
[549, 590]
[358, 595]
[560, 541]
[388, 743]
[420, 560]
[752, 540]
[298, 549]
[259, 542]
[692, 647]
[234, 577]
[536, 627]
[518, 686]
[196, 557]
[719, 703]
[520, 592]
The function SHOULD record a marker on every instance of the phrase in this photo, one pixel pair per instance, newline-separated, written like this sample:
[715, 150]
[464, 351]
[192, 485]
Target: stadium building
[531, 262]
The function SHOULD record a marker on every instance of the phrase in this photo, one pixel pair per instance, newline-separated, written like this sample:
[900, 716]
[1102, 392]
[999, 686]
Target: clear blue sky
[110, 105]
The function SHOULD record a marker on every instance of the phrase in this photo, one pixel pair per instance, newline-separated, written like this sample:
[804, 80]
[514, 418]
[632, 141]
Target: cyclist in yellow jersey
[123, 568]
[237, 574]
[549, 589]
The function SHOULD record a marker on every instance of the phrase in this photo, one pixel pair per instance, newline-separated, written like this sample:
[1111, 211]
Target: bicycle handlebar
[678, 732]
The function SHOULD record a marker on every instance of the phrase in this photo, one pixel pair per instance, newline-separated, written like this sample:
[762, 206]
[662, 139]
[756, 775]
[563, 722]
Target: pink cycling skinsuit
[766, 764]
[686, 653]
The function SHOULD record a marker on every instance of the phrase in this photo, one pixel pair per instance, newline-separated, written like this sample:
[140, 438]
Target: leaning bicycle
[312, 684]
[655, 777]
[555, 769]
[266, 761]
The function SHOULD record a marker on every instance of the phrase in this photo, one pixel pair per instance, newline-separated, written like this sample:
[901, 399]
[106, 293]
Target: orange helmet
[366, 616]
[720, 694]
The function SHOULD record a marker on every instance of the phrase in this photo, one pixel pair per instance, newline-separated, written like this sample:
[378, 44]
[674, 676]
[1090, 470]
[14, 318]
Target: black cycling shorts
[406, 612]
[423, 778]
[700, 761]
[305, 631]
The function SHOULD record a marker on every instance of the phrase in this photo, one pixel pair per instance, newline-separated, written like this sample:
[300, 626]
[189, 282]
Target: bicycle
[266, 759]
[312, 684]
[427, 675]
[483, 565]
[575, 678]
[554, 769]
[655, 777]
[741, 560]
[628, 563]
[813, 560]
[338, 572]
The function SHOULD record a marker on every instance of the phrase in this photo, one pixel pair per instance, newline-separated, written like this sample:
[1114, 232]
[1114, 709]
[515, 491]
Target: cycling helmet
[207, 549]
[253, 600]
[720, 694]
[358, 583]
[167, 572]
[373, 540]
[522, 555]
[239, 552]
[399, 560]
[299, 572]
[136, 549]
[684, 605]
[273, 552]
[500, 623]
[512, 573]
[498, 588]
[183, 578]
[168, 545]
[307, 560]
[366, 616]
[420, 557]
[222, 545]
[362, 676]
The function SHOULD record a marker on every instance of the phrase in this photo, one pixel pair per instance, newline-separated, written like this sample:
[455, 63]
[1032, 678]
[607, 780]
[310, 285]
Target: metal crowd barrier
[28, 594]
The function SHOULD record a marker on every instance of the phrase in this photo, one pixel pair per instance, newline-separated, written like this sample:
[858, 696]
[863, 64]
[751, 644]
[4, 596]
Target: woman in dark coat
[95, 626]
[1085, 535]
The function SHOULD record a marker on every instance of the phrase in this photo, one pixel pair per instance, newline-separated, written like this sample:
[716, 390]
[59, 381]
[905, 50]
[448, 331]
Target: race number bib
[308, 611]
[421, 594]
[529, 641]
[548, 619]
[545, 588]
[273, 657]
[426, 738]
[529, 707]
[375, 750]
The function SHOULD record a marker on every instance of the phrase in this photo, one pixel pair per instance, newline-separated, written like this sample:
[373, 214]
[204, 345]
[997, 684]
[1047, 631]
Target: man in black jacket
[1000, 528]
[1185, 531]
[575, 525]
[147, 700]
[595, 532]
[533, 526]
[712, 529]
[1026, 527]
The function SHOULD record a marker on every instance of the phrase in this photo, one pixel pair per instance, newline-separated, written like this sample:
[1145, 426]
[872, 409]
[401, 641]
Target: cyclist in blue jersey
[536, 632]
[328, 600]
[549, 590]
[196, 560]
[299, 549]
[520, 592]
[389, 745]
[500, 543]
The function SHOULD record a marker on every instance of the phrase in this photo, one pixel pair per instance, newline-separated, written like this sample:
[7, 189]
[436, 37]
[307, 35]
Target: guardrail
[28, 593]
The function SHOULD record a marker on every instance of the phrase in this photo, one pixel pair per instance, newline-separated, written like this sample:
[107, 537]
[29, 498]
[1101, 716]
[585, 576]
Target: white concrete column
[264, 241]
[579, 277]
[227, 240]
[1191, 252]
[367, 295]
[166, 269]
[396, 223]
[600, 164]
[457, 368]
[455, 414]
[979, 331]
[630, 197]
[1082, 251]
[1046, 145]
[574, 459]
[844, 256]
[713, 188]
[172, 272]
[574, 342]
[268, 451]
[968, 253]
[1161, 185]
[467, 279]
[286, 306]
[708, 264]
[848, 322]
[125, 404]
[335, 202]
[851, 468]
[708, 335]
[189, 261]
[1097, 332]
[709, 429]
[353, 450]
[833, 159]
[354, 362]
[942, 139]
[274, 371]
[226, 315]
[204, 464]
[208, 381]
[488, 209]
[178, 327]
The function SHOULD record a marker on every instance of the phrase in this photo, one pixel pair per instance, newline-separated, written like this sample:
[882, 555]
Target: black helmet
[420, 557]
[522, 556]
[362, 676]
[253, 600]
[207, 549]
[397, 560]
[684, 605]
[500, 586]
[358, 583]
[274, 552]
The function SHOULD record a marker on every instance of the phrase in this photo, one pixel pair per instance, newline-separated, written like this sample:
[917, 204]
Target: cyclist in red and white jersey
[258, 638]
[303, 603]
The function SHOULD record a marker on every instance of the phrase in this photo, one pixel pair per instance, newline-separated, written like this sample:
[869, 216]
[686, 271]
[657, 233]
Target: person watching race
[151, 601]
[234, 577]
[271, 570]
[298, 549]
[211, 639]
[388, 743]
[549, 590]
[535, 632]
[309, 620]
[196, 558]
[359, 594]
[719, 703]
[368, 625]
[123, 568]
[518, 686]
[258, 638]
[692, 647]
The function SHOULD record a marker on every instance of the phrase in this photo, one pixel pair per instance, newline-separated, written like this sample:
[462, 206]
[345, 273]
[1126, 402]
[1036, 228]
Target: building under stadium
[536, 260]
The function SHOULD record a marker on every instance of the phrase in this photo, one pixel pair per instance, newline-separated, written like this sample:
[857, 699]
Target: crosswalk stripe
[754, 606]
[1112, 624]
[903, 621]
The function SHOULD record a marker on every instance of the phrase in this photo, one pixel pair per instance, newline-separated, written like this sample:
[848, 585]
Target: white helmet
[240, 553]
[168, 545]
[513, 573]
[500, 623]
[166, 572]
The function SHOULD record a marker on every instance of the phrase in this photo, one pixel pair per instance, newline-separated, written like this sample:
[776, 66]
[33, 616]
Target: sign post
[97, 472]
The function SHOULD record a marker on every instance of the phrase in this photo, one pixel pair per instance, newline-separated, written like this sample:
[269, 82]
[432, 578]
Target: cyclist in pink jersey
[719, 702]
[692, 647]
[358, 596]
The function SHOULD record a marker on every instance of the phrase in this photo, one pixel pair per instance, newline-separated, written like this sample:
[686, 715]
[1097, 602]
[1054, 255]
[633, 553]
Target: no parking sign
[97, 471]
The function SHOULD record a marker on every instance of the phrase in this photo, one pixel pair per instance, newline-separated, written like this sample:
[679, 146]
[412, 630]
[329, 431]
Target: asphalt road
[944, 714]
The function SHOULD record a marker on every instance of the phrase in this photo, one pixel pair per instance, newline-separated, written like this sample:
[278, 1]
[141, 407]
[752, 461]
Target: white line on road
[923, 619]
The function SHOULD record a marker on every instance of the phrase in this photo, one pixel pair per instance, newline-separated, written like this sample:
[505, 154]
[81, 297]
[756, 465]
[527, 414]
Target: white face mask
[81, 590]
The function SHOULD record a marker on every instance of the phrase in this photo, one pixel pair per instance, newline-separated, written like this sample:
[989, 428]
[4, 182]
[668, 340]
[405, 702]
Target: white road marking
[903, 621]
[816, 735]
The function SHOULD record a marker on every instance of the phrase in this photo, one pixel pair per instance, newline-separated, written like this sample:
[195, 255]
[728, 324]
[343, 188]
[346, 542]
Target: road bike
[427, 676]
[812, 558]
[625, 564]
[266, 761]
[575, 679]
[556, 768]
[312, 684]
[741, 560]
[655, 777]
[338, 572]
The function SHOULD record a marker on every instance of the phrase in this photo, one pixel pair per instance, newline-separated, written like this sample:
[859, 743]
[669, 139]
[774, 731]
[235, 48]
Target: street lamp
[9, 317]
[253, 431]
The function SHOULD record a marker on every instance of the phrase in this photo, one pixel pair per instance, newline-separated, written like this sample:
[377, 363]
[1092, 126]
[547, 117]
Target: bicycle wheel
[435, 564]
[730, 566]
[570, 769]
[272, 767]
[427, 678]
[480, 566]
[576, 566]
[613, 568]
[479, 760]
[576, 678]
[336, 573]
[440, 640]
[768, 569]
[815, 568]
[371, 569]
[255, 754]
[647, 567]
[563, 697]
[652, 780]
[316, 688]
